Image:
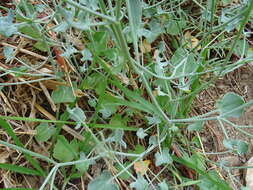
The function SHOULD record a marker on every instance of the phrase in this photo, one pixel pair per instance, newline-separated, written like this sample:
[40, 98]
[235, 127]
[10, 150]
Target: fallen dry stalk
[64, 127]
[25, 51]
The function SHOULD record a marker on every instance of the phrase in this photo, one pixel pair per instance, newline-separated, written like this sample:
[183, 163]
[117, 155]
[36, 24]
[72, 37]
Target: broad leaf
[44, 132]
[140, 183]
[103, 182]
[7, 27]
[63, 94]
[230, 102]
[77, 115]
[63, 151]
[117, 136]
[8, 53]
[163, 157]
[238, 146]
[141, 134]
[84, 166]
[197, 126]
[163, 186]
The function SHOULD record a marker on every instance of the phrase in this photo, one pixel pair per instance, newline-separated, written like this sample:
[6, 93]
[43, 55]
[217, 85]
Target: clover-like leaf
[141, 134]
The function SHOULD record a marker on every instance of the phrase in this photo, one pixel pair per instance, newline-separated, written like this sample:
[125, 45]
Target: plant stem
[28, 152]
[111, 19]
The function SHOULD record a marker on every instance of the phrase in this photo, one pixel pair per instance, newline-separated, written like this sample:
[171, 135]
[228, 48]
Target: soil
[239, 81]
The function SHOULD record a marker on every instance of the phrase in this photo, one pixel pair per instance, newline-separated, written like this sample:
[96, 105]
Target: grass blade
[19, 169]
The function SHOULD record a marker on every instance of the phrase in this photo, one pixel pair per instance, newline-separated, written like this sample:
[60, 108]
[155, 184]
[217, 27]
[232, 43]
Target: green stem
[111, 19]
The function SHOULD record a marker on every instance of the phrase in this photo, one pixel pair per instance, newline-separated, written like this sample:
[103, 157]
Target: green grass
[135, 104]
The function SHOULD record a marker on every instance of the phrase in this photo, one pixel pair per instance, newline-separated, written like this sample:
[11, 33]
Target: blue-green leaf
[77, 115]
[238, 146]
[163, 157]
[140, 183]
[197, 126]
[7, 27]
[8, 53]
[141, 134]
[103, 182]
[230, 102]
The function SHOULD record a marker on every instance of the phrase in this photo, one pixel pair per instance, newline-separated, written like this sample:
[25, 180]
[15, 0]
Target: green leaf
[118, 122]
[30, 31]
[19, 169]
[173, 27]
[197, 126]
[103, 182]
[140, 183]
[63, 151]
[138, 150]
[163, 157]
[208, 184]
[42, 46]
[63, 94]
[44, 132]
[84, 166]
[8, 53]
[238, 146]
[88, 143]
[185, 160]
[230, 102]
[93, 4]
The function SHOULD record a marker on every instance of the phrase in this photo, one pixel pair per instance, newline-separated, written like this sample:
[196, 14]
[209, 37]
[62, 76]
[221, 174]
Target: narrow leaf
[19, 169]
